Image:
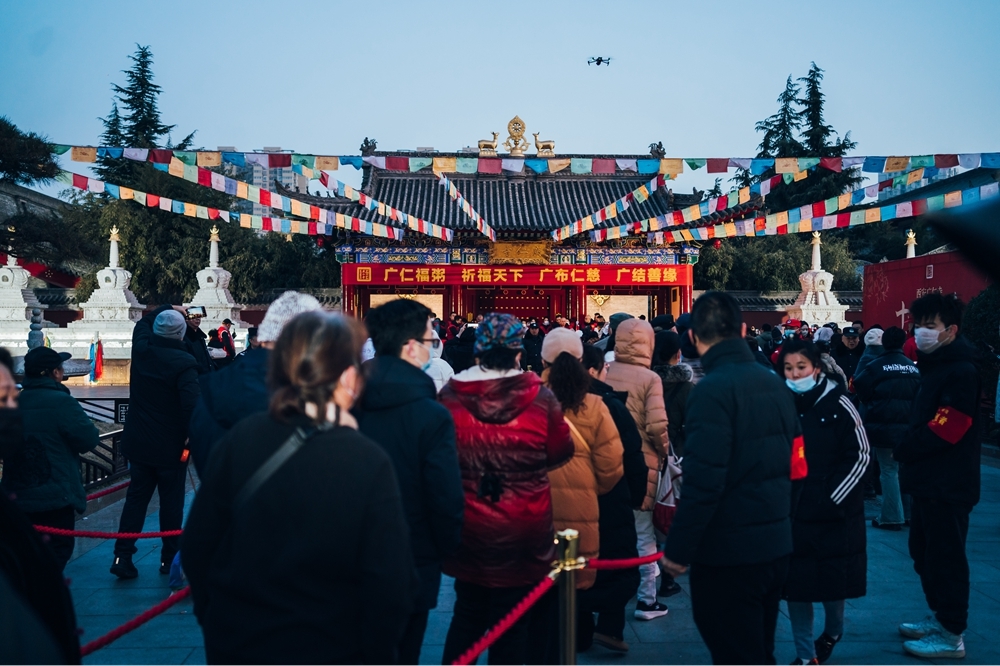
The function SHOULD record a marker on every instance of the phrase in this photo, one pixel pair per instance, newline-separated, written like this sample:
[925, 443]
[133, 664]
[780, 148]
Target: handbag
[668, 492]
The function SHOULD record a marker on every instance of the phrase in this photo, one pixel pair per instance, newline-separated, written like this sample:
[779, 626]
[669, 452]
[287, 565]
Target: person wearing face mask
[297, 547]
[400, 412]
[939, 458]
[829, 561]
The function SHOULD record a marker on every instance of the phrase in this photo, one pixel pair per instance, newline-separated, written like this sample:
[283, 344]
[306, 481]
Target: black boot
[824, 646]
[123, 567]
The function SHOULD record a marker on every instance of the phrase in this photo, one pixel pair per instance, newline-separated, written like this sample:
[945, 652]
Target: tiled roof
[524, 202]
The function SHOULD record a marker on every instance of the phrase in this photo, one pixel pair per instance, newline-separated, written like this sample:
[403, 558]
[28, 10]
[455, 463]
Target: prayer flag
[672, 166]
[513, 165]
[83, 154]
[873, 165]
[138, 154]
[187, 157]
[717, 165]
[418, 163]
[603, 166]
[627, 165]
[646, 166]
[893, 164]
[555, 166]
[209, 159]
[832, 163]
[467, 164]
[397, 163]
[807, 163]
[786, 165]
[581, 165]
[490, 165]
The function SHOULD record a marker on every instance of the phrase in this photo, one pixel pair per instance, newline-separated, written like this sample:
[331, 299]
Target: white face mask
[927, 339]
[802, 384]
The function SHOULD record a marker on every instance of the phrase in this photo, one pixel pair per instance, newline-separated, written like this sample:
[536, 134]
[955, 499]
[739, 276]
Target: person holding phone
[195, 340]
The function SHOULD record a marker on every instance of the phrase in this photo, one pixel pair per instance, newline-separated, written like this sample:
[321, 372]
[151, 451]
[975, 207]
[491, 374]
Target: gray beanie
[282, 310]
[170, 324]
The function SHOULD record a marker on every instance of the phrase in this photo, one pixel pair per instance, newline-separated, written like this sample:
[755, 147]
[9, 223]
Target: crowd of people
[345, 467]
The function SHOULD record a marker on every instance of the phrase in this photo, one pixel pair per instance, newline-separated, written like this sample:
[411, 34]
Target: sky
[906, 78]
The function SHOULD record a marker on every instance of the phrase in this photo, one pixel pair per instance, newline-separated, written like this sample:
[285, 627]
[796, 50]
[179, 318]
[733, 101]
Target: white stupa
[109, 314]
[817, 304]
[16, 304]
[213, 292]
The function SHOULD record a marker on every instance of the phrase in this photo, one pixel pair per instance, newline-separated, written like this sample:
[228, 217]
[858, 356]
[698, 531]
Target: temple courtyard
[103, 603]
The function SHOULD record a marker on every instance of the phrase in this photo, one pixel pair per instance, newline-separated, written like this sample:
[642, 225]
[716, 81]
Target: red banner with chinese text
[510, 276]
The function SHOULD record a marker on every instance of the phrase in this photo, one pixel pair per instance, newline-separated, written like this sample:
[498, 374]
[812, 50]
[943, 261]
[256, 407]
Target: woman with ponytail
[297, 547]
[595, 468]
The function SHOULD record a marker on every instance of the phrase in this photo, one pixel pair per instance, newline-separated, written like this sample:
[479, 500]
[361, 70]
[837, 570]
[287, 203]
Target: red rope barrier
[135, 623]
[108, 491]
[45, 529]
[623, 564]
[509, 620]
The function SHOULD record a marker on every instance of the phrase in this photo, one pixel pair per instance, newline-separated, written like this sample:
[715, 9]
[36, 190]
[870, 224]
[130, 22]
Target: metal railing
[104, 464]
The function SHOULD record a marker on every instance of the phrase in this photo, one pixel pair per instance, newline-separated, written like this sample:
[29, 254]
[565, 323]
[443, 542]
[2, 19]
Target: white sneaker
[943, 645]
[926, 626]
[645, 611]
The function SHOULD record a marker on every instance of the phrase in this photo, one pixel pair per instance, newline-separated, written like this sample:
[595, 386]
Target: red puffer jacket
[510, 431]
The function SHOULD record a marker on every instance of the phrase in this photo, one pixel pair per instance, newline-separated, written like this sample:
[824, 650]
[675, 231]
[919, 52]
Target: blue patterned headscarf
[499, 330]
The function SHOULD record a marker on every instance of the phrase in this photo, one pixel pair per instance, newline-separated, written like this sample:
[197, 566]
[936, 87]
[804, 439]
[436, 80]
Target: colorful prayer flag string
[261, 223]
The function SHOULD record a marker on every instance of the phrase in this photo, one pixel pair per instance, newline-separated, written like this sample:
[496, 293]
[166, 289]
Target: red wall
[892, 286]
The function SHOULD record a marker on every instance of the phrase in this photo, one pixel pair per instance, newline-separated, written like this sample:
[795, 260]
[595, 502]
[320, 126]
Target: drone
[599, 61]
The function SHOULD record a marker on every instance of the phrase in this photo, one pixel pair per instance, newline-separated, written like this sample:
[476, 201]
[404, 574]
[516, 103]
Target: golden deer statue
[545, 148]
[487, 147]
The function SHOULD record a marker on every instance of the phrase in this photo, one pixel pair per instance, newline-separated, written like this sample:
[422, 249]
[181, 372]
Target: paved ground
[103, 602]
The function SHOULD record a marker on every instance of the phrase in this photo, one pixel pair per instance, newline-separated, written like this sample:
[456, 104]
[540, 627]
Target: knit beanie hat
[561, 340]
[874, 337]
[282, 310]
[823, 334]
[499, 330]
[170, 324]
[617, 318]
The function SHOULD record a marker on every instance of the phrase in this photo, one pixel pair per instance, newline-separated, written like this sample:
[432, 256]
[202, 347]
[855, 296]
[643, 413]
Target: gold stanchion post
[568, 543]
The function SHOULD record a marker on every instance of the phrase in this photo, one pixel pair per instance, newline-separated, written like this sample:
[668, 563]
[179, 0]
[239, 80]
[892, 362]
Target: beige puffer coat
[630, 372]
[594, 469]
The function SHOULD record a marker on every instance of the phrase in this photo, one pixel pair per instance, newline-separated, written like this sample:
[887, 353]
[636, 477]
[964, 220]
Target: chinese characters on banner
[512, 276]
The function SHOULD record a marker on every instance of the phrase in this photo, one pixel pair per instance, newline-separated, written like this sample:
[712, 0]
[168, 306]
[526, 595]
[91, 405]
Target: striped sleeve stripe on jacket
[852, 479]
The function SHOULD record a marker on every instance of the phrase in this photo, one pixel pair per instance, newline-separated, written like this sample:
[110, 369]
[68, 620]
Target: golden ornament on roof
[214, 231]
[545, 148]
[114, 233]
[516, 144]
[488, 148]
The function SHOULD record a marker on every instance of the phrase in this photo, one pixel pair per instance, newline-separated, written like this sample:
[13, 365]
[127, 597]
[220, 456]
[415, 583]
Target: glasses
[433, 342]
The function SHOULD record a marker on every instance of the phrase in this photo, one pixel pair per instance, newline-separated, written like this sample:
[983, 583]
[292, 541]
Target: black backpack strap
[272, 465]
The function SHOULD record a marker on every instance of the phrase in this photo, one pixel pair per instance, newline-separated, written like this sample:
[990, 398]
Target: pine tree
[108, 169]
[816, 134]
[142, 127]
[25, 157]
[780, 130]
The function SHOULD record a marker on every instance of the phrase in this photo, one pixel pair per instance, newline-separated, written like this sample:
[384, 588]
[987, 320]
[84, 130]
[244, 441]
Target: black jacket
[458, 352]
[736, 504]
[195, 343]
[315, 567]
[829, 561]
[227, 397]
[533, 352]
[162, 393]
[33, 579]
[617, 522]
[939, 456]
[677, 387]
[887, 388]
[848, 359]
[400, 412]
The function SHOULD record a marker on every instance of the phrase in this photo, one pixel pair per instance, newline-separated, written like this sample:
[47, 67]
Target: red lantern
[319, 241]
[717, 244]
